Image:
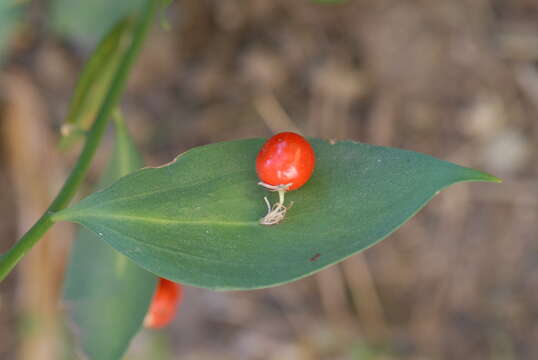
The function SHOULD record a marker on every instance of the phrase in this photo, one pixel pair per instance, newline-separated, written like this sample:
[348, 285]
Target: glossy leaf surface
[195, 220]
[107, 294]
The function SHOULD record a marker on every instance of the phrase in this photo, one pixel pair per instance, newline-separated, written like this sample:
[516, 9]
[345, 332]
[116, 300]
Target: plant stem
[93, 139]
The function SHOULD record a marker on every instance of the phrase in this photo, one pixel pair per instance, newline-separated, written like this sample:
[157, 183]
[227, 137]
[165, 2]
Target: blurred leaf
[195, 220]
[87, 21]
[157, 346]
[362, 351]
[95, 79]
[10, 12]
[107, 293]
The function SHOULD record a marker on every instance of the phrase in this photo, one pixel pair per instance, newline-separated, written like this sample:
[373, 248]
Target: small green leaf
[91, 88]
[107, 293]
[196, 220]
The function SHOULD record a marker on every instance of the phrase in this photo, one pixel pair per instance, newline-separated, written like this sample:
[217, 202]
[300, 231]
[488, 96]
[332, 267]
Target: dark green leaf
[196, 220]
[107, 293]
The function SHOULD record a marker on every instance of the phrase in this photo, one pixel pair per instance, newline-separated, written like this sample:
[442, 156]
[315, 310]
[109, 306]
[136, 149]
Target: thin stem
[281, 194]
[73, 182]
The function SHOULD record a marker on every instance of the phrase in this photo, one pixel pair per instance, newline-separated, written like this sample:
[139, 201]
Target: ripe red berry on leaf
[164, 304]
[285, 162]
[286, 158]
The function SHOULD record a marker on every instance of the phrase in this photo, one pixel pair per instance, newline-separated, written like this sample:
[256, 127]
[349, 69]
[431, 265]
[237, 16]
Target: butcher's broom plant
[196, 220]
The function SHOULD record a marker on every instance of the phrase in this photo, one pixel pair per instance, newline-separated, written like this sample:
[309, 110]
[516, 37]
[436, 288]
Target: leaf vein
[165, 221]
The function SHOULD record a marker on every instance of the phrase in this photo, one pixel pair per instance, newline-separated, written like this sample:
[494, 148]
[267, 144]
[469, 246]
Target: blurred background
[455, 79]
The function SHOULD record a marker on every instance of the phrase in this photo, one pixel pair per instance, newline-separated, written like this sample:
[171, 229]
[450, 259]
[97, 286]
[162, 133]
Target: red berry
[286, 158]
[164, 304]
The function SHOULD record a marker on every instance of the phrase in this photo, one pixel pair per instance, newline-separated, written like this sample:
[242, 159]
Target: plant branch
[73, 182]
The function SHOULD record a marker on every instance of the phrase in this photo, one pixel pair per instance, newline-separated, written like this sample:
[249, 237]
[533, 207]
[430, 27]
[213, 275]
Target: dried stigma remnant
[164, 304]
[285, 162]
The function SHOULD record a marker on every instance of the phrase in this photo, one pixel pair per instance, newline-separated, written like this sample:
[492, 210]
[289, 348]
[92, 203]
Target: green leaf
[195, 220]
[107, 293]
[94, 80]
[88, 21]
[10, 12]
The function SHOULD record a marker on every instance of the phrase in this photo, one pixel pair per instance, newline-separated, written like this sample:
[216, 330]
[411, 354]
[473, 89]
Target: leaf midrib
[151, 220]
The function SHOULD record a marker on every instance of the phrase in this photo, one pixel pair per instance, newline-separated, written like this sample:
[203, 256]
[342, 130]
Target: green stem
[71, 185]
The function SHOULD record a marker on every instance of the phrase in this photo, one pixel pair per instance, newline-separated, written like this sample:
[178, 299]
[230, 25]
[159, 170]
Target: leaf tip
[479, 176]
[489, 178]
